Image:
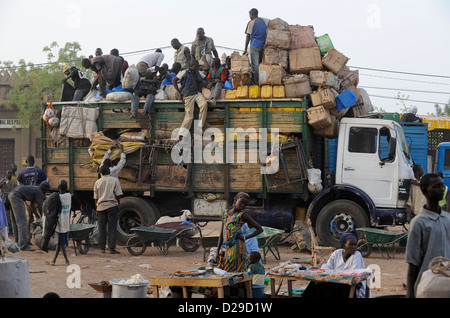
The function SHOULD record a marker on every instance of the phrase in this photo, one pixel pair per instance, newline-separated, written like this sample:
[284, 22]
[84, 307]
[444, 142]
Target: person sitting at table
[346, 258]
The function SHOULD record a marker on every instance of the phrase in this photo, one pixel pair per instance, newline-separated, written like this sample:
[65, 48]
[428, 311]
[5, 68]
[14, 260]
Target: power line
[403, 79]
[399, 72]
[405, 90]
[408, 100]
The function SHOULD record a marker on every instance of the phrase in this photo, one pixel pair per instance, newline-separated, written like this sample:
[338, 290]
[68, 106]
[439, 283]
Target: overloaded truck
[264, 147]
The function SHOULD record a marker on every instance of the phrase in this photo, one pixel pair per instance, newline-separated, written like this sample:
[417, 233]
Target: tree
[35, 84]
[442, 111]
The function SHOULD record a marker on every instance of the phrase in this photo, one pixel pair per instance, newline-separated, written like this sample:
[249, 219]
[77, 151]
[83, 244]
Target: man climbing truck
[370, 186]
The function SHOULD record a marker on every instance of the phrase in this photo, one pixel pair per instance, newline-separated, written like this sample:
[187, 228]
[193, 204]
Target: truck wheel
[133, 212]
[337, 217]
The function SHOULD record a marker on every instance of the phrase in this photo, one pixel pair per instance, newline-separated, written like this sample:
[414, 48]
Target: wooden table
[290, 279]
[219, 282]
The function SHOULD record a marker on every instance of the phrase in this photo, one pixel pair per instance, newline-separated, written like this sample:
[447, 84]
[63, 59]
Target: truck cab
[372, 178]
[442, 161]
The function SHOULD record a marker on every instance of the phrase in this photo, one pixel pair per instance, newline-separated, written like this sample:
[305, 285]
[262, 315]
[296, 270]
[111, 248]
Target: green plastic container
[324, 43]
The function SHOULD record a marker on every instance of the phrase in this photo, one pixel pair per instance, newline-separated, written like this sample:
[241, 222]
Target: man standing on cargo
[256, 37]
[203, 46]
[192, 82]
[182, 54]
[107, 192]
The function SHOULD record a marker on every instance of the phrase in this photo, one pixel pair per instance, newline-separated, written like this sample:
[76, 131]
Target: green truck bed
[152, 169]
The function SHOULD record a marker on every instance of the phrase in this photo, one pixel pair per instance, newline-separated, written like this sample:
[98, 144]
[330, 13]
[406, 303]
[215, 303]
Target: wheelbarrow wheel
[364, 247]
[83, 246]
[136, 246]
[190, 244]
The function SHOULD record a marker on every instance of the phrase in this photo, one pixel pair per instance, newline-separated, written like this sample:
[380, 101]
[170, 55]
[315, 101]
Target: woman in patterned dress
[232, 248]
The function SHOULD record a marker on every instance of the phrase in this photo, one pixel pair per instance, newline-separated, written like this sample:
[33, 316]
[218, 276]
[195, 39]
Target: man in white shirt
[152, 60]
[107, 192]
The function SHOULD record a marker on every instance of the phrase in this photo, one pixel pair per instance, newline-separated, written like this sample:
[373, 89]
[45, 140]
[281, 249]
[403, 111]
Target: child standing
[258, 272]
[63, 225]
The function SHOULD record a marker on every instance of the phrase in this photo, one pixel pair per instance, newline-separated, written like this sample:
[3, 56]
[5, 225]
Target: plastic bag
[119, 96]
[314, 181]
[130, 78]
[161, 95]
[132, 136]
[6, 244]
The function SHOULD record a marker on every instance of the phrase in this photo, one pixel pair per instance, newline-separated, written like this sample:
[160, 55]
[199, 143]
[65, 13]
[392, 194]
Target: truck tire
[133, 212]
[339, 217]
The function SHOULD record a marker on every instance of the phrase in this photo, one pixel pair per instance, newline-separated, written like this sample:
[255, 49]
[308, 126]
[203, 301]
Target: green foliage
[442, 111]
[35, 84]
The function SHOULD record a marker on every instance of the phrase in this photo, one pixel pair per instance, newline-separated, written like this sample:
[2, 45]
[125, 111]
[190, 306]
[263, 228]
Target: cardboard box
[338, 113]
[325, 97]
[302, 36]
[324, 79]
[277, 24]
[297, 86]
[348, 77]
[280, 39]
[240, 63]
[305, 60]
[334, 61]
[276, 56]
[330, 132]
[319, 117]
[241, 78]
[271, 74]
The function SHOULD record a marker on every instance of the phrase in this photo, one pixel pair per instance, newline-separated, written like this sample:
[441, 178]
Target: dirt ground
[95, 267]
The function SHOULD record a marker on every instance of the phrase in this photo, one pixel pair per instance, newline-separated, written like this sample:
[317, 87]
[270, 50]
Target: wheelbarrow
[79, 233]
[268, 240]
[163, 236]
[380, 238]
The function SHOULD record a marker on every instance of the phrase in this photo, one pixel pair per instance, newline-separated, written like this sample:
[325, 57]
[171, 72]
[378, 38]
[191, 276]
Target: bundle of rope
[440, 265]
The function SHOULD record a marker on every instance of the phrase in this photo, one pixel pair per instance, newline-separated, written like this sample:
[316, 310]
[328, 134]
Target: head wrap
[414, 110]
[347, 236]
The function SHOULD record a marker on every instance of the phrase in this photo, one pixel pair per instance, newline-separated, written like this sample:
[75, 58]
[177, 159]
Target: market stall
[207, 278]
[294, 272]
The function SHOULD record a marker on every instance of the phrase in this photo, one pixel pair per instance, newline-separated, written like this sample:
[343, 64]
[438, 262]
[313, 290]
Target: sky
[385, 40]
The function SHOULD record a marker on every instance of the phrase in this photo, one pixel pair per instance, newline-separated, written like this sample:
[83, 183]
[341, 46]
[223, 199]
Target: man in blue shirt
[256, 37]
[31, 175]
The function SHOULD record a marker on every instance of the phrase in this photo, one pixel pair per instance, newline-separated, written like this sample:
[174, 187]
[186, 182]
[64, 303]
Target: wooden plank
[57, 155]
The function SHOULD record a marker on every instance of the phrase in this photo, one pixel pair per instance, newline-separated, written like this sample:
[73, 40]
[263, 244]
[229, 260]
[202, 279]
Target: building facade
[16, 141]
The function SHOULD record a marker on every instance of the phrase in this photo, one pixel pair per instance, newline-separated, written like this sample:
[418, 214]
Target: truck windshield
[403, 145]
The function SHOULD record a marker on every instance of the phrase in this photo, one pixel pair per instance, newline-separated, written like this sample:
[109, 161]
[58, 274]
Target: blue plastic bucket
[345, 100]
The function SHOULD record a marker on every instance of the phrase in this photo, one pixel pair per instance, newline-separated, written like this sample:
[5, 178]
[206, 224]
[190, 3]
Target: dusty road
[95, 267]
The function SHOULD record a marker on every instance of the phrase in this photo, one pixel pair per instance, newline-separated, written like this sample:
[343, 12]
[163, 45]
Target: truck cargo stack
[297, 64]
[306, 97]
